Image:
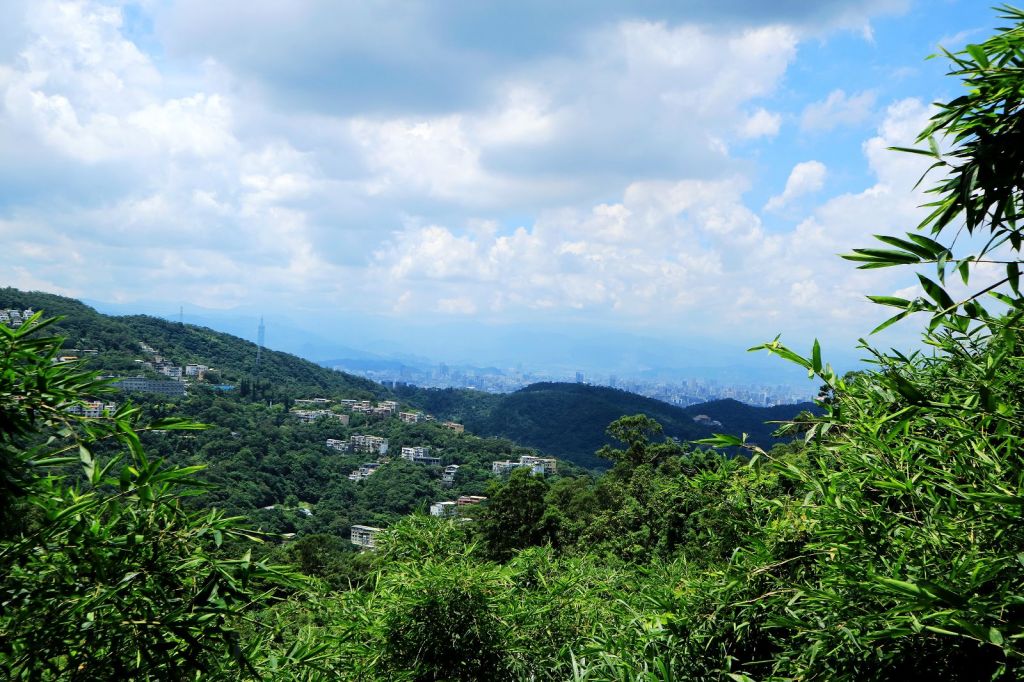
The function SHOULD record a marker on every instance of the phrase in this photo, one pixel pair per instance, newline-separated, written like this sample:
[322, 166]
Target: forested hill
[569, 420]
[118, 338]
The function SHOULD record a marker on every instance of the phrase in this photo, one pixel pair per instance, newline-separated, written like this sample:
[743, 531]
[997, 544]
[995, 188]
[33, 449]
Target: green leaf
[936, 293]
[890, 301]
[978, 53]
[722, 440]
[995, 636]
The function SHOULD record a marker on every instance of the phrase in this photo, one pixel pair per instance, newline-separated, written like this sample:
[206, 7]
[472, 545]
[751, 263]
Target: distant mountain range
[561, 419]
[569, 420]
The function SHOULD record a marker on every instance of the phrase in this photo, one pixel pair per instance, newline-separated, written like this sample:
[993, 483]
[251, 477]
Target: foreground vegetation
[887, 544]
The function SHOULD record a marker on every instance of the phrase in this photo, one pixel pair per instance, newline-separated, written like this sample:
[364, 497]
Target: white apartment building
[371, 444]
[537, 465]
[196, 370]
[365, 536]
[93, 409]
[444, 510]
[419, 454]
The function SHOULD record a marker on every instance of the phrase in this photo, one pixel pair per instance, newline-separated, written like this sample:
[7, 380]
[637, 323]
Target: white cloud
[761, 123]
[805, 178]
[838, 110]
[683, 249]
[595, 177]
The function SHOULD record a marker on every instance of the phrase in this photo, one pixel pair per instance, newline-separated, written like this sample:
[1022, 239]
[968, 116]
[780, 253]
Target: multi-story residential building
[411, 417]
[457, 428]
[469, 500]
[93, 409]
[172, 371]
[419, 454]
[372, 444]
[315, 401]
[365, 536]
[444, 510]
[547, 465]
[448, 476]
[364, 471]
[339, 445]
[196, 370]
[537, 465]
[390, 405]
[144, 385]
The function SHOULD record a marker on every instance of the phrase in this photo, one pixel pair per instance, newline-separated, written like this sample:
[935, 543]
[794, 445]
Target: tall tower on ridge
[259, 343]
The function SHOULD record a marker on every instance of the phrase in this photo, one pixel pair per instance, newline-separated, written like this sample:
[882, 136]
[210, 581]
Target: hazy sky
[681, 170]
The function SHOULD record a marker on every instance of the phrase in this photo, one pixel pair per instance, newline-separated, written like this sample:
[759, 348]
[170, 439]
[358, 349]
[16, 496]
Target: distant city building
[579, 377]
[365, 536]
[144, 385]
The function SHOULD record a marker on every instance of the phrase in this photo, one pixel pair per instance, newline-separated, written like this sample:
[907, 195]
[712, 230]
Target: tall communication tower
[259, 343]
[181, 315]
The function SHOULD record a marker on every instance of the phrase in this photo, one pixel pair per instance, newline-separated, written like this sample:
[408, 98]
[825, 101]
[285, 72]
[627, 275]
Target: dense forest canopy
[884, 545]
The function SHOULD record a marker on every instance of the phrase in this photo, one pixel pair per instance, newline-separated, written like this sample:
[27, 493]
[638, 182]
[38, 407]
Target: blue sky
[440, 178]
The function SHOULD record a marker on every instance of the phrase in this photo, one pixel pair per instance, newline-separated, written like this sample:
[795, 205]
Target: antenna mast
[259, 343]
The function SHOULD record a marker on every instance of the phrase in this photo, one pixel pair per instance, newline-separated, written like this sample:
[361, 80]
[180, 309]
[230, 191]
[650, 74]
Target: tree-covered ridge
[259, 455]
[569, 420]
[280, 375]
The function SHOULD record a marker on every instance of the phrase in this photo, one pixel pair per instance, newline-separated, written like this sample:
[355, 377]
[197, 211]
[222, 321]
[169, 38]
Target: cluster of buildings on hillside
[366, 536]
[178, 376]
[384, 408]
[310, 416]
[14, 318]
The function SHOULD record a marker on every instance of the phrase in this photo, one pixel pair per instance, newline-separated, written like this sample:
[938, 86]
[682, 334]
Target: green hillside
[569, 420]
[117, 338]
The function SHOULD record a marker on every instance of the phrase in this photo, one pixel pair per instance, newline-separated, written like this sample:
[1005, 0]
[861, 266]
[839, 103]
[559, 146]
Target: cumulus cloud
[684, 248]
[805, 178]
[252, 160]
[838, 110]
[761, 123]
